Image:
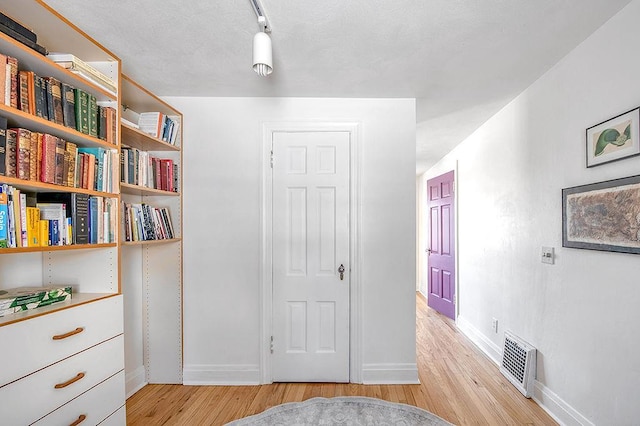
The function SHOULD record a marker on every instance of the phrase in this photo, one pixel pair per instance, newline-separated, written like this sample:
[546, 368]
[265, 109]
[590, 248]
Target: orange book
[3, 78]
[31, 91]
[91, 171]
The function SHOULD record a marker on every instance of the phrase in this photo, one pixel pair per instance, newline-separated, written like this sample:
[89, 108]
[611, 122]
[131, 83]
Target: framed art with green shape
[614, 139]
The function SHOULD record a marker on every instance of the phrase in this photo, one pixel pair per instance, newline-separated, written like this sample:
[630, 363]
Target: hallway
[458, 383]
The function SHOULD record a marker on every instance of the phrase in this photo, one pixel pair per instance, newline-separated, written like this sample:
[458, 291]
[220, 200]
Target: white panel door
[310, 248]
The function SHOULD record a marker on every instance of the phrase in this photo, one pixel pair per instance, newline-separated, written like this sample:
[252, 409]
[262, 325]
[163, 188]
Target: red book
[166, 171]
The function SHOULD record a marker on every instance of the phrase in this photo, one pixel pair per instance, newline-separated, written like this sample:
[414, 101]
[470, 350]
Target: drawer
[119, 418]
[31, 398]
[91, 407]
[29, 345]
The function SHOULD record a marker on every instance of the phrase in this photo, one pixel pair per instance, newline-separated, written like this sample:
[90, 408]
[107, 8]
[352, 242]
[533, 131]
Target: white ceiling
[462, 60]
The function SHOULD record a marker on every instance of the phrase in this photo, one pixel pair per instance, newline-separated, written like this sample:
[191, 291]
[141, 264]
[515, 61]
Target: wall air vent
[519, 363]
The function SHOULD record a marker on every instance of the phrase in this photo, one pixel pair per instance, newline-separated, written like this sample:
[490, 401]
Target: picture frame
[614, 139]
[603, 216]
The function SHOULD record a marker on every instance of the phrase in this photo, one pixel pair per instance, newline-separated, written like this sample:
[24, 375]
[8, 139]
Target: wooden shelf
[135, 138]
[55, 248]
[30, 185]
[127, 188]
[17, 118]
[77, 299]
[150, 242]
[139, 99]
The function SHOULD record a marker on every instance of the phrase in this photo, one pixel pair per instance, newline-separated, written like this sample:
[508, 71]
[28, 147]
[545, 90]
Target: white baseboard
[483, 342]
[224, 375]
[555, 406]
[390, 374]
[135, 380]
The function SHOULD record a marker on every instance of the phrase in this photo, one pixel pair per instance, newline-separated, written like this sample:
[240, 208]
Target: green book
[82, 111]
[93, 116]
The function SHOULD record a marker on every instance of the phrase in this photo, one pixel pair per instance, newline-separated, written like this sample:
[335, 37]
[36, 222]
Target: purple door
[441, 252]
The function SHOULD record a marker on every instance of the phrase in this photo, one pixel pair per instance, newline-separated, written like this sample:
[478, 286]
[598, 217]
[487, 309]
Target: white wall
[222, 201]
[581, 313]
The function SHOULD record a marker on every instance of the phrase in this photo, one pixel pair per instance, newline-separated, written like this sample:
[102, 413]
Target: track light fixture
[262, 52]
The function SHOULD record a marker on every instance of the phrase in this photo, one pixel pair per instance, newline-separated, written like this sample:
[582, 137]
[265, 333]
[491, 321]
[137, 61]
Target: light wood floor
[458, 383]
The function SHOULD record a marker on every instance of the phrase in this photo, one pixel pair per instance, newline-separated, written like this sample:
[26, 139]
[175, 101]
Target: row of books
[20, 33]
[56, 101]
[55, 219]
[159, 126]
[141, 168]
[145, 223]
[42, 157]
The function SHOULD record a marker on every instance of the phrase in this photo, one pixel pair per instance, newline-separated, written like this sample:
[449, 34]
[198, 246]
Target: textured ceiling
[462, 59]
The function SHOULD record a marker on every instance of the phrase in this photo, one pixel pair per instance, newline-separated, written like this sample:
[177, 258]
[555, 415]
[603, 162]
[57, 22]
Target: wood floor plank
[458, 383]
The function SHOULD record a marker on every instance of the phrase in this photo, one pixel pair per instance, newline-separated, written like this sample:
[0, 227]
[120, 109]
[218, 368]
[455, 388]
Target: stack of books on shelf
[42, 157]
[159, 126]
[140, 168]
[85, 70]
[20, 299]
[145, 223]
[56, 101]
[55, 218]
[20, 33]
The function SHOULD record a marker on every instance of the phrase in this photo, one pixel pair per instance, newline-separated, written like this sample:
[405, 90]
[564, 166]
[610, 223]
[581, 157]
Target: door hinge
[271, 161]
[271, 345]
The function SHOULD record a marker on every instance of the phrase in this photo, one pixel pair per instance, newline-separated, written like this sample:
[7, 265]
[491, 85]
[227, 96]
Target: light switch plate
[548, 255]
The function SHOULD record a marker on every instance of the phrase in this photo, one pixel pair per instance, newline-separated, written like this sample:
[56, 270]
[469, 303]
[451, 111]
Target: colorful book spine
[4, 217]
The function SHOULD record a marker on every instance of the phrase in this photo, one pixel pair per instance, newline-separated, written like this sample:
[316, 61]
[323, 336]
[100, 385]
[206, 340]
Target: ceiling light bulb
[262, 55]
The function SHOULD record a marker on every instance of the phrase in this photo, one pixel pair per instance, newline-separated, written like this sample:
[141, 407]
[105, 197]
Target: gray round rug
[346, 410]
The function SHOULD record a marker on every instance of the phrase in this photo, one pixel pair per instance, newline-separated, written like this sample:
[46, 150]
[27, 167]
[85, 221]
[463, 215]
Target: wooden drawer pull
[81, 419]
[69, 334]
[70, 381]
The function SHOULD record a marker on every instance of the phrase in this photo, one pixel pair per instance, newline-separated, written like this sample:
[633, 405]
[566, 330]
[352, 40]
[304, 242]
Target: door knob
[341, 271]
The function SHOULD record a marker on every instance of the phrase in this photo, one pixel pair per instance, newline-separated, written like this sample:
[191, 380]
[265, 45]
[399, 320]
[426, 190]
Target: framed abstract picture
[603, 216]
[614, 139]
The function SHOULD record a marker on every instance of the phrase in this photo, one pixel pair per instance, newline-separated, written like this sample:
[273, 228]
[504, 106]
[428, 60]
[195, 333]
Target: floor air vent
[519, 363]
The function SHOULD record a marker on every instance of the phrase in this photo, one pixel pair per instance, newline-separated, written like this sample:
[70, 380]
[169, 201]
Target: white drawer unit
[38, 394]
[33, 344]
[92, 407]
